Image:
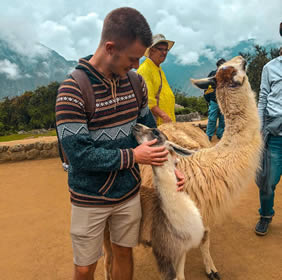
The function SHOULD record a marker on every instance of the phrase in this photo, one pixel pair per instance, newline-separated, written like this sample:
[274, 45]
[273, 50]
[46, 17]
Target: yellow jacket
[152, 75]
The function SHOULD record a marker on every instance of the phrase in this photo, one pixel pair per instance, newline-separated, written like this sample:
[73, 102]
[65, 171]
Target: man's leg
[221, 125]
[122, 263]
[212, 117]
[124, 226]
[87, 233]
[84, 272]
[267, 199]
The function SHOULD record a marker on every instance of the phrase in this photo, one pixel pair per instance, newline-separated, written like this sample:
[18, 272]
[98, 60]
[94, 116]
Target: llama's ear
[204, 83]
[180, 150]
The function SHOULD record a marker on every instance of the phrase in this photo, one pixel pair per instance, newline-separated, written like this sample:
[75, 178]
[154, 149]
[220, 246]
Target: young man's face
[127, 58]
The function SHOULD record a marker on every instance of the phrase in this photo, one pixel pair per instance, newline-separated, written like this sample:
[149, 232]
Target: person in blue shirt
[270, 112]
[214, 111]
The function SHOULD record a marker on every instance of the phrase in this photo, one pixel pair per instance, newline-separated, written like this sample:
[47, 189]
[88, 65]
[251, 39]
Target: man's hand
[146, 154]
[166, 118]
[180, 180]
[160, 113]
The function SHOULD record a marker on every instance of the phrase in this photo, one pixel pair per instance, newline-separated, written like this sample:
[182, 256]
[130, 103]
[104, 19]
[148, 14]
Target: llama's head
[143, 134]
[232, 86]
[230, 74]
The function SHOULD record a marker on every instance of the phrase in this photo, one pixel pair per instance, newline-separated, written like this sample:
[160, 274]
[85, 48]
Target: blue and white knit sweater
[102, 169]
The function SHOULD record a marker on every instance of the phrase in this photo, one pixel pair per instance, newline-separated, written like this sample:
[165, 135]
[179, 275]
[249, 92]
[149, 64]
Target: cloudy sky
[72, 28]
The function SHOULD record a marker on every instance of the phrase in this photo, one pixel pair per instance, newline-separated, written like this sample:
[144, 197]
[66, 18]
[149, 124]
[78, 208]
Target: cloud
[21, 37]
[73, 28]
[11, 70]
[42, 75]
[73, 35]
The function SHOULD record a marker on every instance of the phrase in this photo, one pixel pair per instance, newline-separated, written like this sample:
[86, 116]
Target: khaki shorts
[88, 224]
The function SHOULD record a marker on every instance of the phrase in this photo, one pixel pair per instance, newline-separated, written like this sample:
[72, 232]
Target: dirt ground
[35, 242]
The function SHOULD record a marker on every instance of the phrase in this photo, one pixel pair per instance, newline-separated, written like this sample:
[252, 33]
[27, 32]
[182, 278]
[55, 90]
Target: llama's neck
[240, 115]
[164, 176]
[220, 172]
[177, 206]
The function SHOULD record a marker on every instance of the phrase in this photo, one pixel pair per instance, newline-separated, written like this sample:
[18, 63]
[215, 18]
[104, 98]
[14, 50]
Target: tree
[256, 61]
[31, 110]
[190, 104]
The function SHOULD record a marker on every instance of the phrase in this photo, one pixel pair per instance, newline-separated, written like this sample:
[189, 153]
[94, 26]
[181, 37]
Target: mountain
[20, 72]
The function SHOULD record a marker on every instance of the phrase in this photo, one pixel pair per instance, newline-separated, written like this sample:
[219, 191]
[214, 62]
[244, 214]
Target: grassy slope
[13, 137]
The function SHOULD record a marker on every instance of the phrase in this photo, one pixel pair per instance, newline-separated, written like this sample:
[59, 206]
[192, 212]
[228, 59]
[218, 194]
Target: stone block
[47, 146]
[3, 148]
[32, 154]
[16, 148]
[28, 147]
[18, 156]
[54, 152]
[5, 156]
[39, 145]
[45, 154]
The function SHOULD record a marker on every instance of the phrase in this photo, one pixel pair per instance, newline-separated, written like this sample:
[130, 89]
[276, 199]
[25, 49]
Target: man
[214, 111]
[161, 99]
[270, 112]
[103, 155]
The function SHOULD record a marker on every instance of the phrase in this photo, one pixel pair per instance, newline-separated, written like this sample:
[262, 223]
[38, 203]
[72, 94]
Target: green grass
[13, 137]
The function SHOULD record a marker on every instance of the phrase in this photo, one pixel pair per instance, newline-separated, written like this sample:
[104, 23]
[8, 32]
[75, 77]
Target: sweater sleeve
[81, 150]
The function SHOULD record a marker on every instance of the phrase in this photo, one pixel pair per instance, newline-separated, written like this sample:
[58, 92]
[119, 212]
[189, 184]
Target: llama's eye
[156, 132]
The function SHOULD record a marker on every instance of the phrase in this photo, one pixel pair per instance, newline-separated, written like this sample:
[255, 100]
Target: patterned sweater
[102, 170]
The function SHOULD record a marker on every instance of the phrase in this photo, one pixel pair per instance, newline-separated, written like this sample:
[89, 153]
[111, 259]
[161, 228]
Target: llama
[183, 134]
[171, 223]
[217, 175]
[186, 135]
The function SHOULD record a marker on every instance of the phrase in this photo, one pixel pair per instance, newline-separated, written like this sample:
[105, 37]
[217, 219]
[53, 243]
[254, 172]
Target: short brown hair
[125, 25]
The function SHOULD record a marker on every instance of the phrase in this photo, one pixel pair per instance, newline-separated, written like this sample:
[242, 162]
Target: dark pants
[214, 114]
[267, 199]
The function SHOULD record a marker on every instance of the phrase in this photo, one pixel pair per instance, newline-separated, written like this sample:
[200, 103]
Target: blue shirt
[270, 96]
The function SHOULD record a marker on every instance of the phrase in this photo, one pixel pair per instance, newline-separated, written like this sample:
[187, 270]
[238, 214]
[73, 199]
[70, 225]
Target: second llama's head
[143, 134]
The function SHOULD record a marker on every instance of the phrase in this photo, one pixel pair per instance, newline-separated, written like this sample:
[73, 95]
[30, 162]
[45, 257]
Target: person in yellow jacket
[161, 99]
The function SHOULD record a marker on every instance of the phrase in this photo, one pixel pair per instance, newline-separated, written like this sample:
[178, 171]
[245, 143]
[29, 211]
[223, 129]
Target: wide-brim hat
[159, 38]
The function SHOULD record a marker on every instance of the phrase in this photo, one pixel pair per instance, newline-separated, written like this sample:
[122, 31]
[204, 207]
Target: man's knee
[83, 271]
[121, 252]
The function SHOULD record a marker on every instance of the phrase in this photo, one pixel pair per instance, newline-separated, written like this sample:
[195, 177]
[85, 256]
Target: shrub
[190, 104]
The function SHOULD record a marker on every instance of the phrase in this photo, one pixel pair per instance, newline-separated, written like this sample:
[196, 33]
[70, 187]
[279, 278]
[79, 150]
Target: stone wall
[195, 116]
[35, 150]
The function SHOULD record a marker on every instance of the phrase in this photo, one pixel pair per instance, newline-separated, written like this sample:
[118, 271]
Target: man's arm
[152, 89]
[82, 151]
[157, 111]
[264, 91]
